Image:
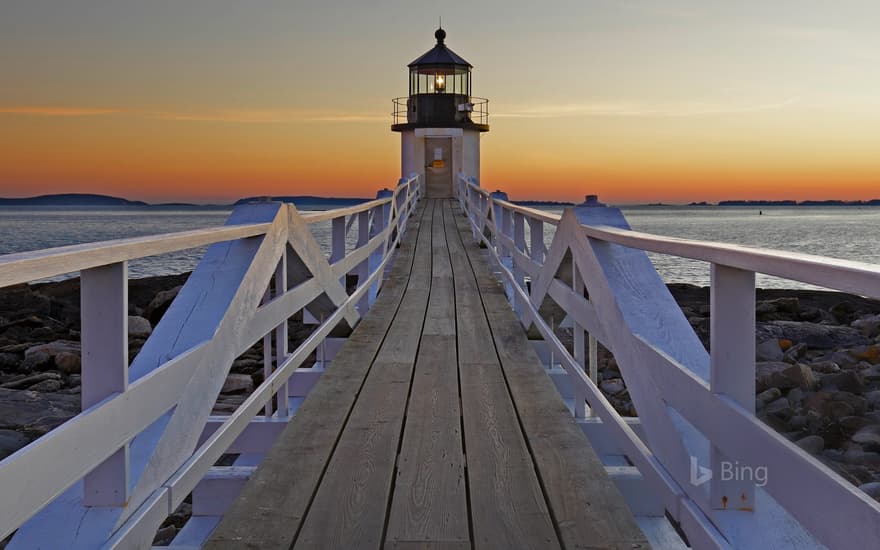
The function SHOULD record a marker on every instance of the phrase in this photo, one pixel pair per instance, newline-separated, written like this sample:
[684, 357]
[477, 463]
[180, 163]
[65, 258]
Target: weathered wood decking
[434, 427]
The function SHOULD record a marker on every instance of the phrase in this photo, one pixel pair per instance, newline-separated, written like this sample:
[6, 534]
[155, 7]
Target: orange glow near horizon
[637, 102]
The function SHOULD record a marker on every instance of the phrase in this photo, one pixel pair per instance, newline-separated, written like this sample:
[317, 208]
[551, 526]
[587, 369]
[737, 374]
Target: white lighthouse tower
[440, 121]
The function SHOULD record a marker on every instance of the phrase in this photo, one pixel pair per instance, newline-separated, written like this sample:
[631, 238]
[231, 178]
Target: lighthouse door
[438, 167]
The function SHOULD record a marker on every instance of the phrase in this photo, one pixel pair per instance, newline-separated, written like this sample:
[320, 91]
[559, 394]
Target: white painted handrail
[695, 409]
[261, 269]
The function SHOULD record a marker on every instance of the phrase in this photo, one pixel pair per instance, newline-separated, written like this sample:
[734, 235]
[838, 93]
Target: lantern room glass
[440, 80]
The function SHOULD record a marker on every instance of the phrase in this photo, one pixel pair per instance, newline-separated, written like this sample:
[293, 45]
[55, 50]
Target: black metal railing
[471, 109]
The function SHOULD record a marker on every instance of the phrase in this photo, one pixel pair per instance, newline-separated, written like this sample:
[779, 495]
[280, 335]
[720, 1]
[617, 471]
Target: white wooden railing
[696, 410]
[145, 438]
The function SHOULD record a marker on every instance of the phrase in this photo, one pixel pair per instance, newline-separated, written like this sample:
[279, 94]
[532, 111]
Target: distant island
[71, 199]
[310, 202]
[873, 202]
[89, 199]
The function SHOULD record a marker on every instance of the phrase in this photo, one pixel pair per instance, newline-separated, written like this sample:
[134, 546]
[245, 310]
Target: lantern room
[440, 121]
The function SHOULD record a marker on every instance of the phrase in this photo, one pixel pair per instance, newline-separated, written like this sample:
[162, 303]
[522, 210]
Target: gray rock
[813, 335]
[825, 367]
[29, 381]
[873, 399]
[236, 383]
[768, 350]
[9, 361]
[68, 363]
[868, 325]
[795, 353]
[769, 373]
[855, 455]
[798, 422]
[780, 409]
[612, 386]
[138, 327]
[165, 535]
[871, 489]
[795, 396]
[33, 412]
[767, 396]
[848, 381]
[834, 404]
[11, 441]
[868, 437]
[869, 354]
[800, 375]
[843, 311]
[36, 361]
[46, 386]
[813, 444]
[54, 348]
[159, 304]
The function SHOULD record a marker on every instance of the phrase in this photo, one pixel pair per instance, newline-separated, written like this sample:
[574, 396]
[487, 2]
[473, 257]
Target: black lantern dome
[440, 93]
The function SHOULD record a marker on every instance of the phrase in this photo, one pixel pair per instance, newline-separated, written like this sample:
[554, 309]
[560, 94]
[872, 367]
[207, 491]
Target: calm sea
[839, 232]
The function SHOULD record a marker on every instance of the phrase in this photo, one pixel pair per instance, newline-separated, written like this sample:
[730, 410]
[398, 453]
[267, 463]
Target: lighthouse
[440, 121]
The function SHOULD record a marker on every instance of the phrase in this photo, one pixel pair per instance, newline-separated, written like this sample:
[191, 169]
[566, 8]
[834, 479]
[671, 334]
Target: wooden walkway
[434, 427]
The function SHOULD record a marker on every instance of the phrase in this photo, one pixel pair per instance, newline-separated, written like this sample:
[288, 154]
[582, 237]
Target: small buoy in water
[760, 212]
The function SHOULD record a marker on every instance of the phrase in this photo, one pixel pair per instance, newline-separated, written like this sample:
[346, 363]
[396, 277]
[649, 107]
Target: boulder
[11, 441]
[869, 354]
[9, 361]
[612, 386]
[54, 348]
[776, 374]
[816, 336]
[36, 361]
[868, 437]
[159, 304]
[138, 327]
[800, 375]
[843, 311]
[35, 413]
[855, 455]
[848, 381]
[834, 404]
[871, 489]
[825, 367]
[238, 383]
[813, 444]
[868, 325]
[767, 396]
[873, 399]
[29, 381]
[768, 350]
[68, 363]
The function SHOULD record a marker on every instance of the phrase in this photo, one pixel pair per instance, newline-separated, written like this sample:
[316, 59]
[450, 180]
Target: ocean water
[839, 232]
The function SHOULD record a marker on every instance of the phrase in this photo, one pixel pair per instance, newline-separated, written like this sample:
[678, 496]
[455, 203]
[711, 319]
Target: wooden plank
[588, 509]
[349, 508]
[270, 510]
[507, 505]
[429, 503]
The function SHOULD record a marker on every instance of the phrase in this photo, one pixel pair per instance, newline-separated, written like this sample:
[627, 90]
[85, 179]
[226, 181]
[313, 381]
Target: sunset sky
[638, 101]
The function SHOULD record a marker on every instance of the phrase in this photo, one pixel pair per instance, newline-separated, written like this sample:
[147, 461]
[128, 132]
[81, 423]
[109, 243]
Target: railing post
[337, 242]
[732, 342]
[536, 240]
[381, 215]
[104, 339]
[281, 397]
[363, 268]
[580, 404]
[519, 241]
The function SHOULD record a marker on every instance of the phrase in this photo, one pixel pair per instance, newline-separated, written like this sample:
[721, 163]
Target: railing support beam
[732, 342]
[104, 311]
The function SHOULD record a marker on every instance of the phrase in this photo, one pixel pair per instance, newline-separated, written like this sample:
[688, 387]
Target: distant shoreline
[68, 200]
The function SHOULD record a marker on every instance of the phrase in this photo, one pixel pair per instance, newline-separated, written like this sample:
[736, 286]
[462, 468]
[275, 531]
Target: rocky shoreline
[818, 365]
[817, 373]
